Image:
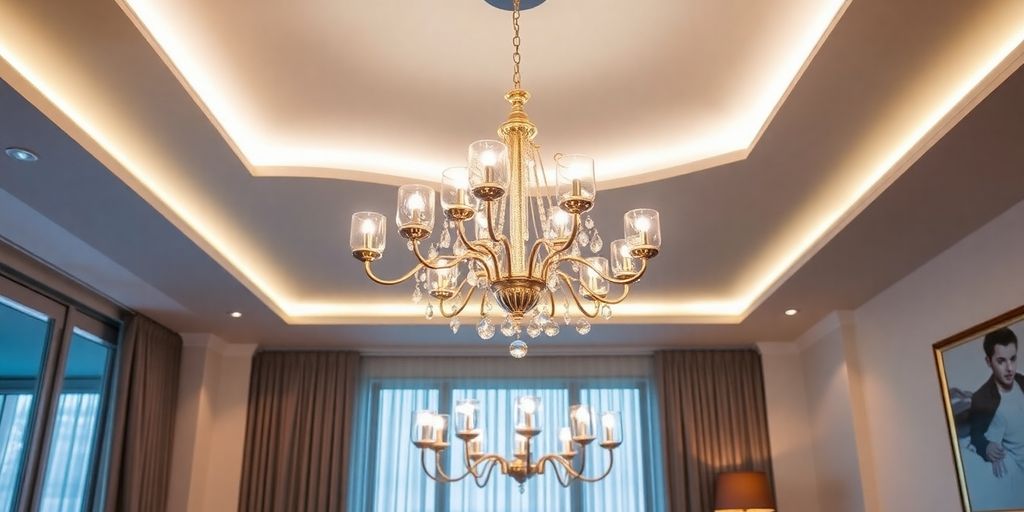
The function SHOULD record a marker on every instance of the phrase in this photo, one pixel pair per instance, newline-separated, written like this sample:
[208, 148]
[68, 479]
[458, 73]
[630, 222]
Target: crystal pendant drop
[459, 248]
[606, 312]
[566, 319]
[408, 245]
[432, 253]
[429, 314]
[553, 282]
[446, 239]
[421, 276]
[533, 330]
[583, 238]
[551, 329]
[471, 277]
[507, 327]
[582, 326]
[517, 349]
[588, 222]
[485, 329]
[455, 324]
[596, 243]
[488, 307]
[417, 295]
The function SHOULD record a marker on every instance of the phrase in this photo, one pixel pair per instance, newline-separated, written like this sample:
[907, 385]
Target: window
[395, 480]
[54, 388]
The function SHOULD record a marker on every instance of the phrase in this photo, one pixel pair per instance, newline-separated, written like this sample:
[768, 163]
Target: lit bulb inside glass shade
[415, 203]
[582, 415]
[608, 420]
[528, 405]
[368, 227]
[488, 158]
[624, 251]
[643, 223]
[465, 408]
[560, 218]
[565, 434]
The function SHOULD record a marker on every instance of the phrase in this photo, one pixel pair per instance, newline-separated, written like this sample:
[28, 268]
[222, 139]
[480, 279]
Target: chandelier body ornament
[506, 192]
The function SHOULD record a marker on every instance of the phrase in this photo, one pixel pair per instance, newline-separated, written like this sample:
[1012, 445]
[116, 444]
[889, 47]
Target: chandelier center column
[518, 132]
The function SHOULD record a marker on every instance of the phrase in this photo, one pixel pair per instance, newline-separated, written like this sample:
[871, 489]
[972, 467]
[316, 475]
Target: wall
[206, 465]
[872, 415]
[978, 278]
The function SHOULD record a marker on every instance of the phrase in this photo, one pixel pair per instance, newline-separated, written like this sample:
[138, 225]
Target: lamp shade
[743, 491]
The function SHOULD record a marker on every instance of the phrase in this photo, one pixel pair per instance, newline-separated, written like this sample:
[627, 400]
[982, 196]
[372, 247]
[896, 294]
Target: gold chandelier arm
[556, 461]
[480, 248]
[629, 280]
[579, 474]
[455, 260]
[486, 472]
[603, 300]
[388, 282]
[423, 463]
[553, 258]
[572, 293]
[470, 470]
[456, 311]
[503, 240]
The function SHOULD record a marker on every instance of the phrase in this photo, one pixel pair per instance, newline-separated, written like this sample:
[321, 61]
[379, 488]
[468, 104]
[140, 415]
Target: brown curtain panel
[298, 429]
[713, 419]
[143, 428]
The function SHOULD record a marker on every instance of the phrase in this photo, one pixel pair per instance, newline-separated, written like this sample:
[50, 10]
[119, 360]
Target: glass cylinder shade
[488, 168]
[559, 224]
[369, 232]
[527, 408]
[422, 426]
[475, 446]
[611, 427]
[415, 207]
[565, 439]
[444, 280]
[581, 421]
[575, 178]
[642, 228]
[455, 190]
[467, 415]
[440, 428]
[623, 263]
[590, 278]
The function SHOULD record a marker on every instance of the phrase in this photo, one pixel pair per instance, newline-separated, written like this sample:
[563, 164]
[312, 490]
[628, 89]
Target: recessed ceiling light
[21, 154]
[791, 312]
[236, 314]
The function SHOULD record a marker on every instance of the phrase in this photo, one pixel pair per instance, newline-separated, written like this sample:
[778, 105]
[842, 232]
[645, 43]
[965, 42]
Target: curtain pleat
[713, 420]
[143, 428]
[297, 432]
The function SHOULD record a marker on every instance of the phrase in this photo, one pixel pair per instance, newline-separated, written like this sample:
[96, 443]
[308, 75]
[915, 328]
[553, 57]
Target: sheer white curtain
[387, 472]
[14, 415]
[71, 457]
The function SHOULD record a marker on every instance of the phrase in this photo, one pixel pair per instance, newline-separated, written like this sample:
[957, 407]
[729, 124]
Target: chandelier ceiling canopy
[529, 234]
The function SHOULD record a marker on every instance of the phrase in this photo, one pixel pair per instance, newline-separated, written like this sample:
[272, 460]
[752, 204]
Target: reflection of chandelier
[506, 191]
[430, 431]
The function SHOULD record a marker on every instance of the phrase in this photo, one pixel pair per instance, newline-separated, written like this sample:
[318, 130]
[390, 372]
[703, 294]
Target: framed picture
[983, 393]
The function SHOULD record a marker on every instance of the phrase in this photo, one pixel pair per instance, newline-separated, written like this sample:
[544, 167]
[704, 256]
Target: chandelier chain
[515, 43]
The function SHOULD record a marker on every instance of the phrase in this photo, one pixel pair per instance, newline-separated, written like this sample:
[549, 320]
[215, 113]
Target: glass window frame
[65, 314]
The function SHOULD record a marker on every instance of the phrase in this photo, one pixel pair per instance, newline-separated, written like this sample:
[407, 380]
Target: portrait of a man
[985, 397]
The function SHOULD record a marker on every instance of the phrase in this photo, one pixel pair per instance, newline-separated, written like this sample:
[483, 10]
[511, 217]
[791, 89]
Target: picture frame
[980, 377]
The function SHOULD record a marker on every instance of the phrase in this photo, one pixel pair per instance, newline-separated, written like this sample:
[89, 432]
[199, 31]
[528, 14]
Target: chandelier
[508, 194]
[430, 432]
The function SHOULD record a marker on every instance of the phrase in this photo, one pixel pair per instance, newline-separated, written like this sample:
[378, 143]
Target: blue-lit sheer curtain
[14, 416]
[392, 389]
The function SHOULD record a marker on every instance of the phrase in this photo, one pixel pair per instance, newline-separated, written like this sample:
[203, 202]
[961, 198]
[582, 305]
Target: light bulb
[642, 223]
[368, 227]
[565, 435]
[424, 418]
[624, 251]
[528, 405]
[582, 415]
[560, 218]
[608, 420]
[415, 203]
[437, 421]
[465, 409]
[488, 158]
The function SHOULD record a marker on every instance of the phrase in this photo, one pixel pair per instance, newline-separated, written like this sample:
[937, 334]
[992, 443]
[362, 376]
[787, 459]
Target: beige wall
[206, 464]
[874, 417]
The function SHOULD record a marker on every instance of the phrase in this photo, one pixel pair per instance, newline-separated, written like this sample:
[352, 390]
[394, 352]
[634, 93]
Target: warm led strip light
[990, 71]
[264, 156]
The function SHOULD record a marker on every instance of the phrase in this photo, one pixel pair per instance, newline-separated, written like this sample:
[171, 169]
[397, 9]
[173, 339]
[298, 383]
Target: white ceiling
[331, 78]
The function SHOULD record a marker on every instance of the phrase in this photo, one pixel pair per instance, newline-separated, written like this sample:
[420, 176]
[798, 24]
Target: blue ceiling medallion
[507, 4]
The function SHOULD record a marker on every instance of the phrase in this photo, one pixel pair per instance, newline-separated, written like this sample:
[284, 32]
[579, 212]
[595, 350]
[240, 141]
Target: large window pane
[625, 491]
[399, 484]
[24, 333]
[73, 445]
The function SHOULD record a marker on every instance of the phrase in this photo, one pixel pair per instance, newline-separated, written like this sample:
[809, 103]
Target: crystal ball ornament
[517, 349]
